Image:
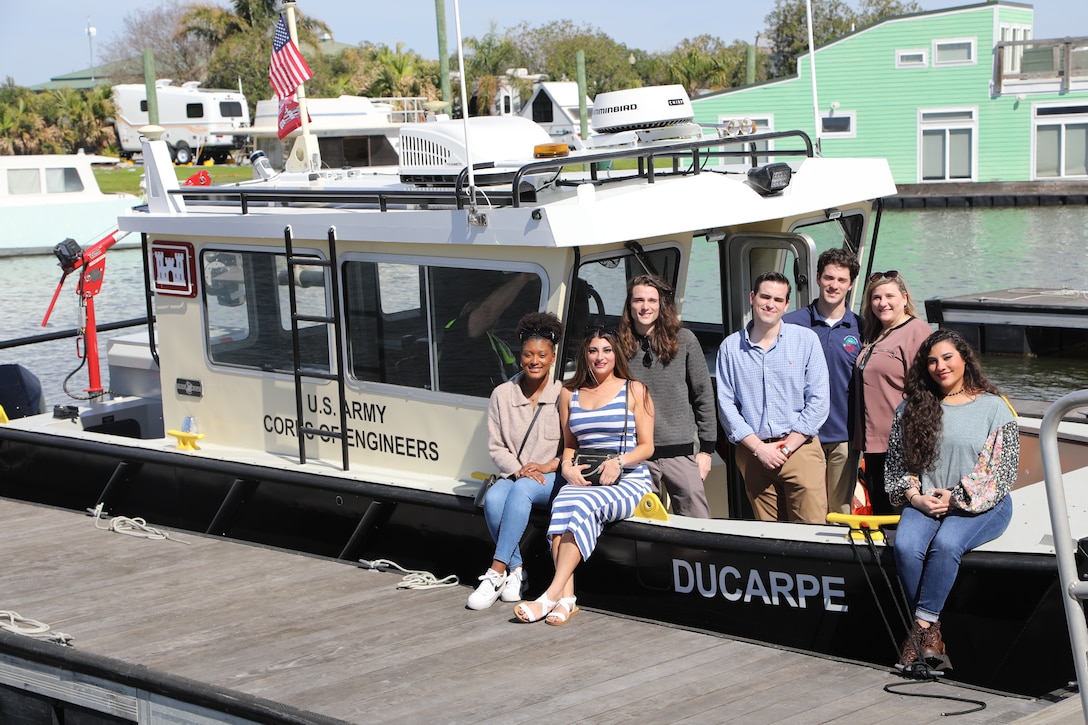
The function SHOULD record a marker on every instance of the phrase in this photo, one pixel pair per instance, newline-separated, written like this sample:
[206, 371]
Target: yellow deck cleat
[858, 523]
[650, 507]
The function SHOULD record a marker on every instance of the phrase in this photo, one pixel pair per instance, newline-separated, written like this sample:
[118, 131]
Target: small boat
[292, 388]
[47, 198]
[351, 131]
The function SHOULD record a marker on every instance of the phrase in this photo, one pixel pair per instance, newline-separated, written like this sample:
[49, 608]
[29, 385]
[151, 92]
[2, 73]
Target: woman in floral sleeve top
[952, 459]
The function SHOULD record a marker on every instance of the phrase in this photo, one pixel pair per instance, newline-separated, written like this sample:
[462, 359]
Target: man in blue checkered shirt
[773, 396]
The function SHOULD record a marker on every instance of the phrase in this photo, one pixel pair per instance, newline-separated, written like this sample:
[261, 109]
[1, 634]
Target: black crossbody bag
[595, 458]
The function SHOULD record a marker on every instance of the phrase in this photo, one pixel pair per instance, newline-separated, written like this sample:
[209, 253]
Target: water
[941, 253]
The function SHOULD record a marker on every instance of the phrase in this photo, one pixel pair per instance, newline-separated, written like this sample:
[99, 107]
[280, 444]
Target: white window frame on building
[952, 125]
[921, 53]
[972, 43]
[1010, 63]
[1067, 125]
[764, 124]
[837, 115]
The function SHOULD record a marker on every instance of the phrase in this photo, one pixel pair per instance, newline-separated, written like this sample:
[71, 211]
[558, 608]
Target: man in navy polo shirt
[839, 331]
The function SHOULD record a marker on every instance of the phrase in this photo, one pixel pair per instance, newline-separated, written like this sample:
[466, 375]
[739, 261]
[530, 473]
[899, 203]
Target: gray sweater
[683, 399]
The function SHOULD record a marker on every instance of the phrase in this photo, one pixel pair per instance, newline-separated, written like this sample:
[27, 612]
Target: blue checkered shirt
[772, 392]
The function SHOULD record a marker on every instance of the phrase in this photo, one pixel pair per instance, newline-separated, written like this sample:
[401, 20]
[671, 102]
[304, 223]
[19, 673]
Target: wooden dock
[217, 631]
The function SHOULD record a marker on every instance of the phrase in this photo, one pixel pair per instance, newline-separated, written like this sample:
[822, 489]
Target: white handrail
[1075, 591]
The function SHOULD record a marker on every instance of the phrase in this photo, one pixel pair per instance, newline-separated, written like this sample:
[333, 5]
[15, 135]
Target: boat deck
[274, 636]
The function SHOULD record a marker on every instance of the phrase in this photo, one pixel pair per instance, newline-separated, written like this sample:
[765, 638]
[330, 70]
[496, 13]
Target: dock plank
[330, 638]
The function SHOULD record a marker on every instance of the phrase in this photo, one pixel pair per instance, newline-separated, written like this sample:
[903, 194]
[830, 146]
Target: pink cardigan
[508, 417]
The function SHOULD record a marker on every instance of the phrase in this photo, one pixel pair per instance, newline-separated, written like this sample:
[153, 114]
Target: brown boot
[932, 644]
[909, 653]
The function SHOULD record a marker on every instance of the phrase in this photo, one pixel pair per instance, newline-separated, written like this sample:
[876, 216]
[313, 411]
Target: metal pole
[812, 61]
[149, 87]
[443, 52]
[1073, 590]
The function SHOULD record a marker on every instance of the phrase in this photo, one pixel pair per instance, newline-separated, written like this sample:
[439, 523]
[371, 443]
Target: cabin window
[954, 51]
[600, 290]
[194, 110]
[438, 328]
[62, 181]
[248, 312]
[838, 124]
[1061, 141]
[543, 112]
[143, 105]
[911, 58]
[230, 109]
[946, 144]
[24, 181]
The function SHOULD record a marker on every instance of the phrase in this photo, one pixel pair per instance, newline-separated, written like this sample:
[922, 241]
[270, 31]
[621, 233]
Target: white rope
[414, 578]
[17, 624]
[132, 527]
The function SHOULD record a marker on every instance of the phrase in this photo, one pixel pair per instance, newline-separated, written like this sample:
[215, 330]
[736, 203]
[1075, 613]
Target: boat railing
[1074, 591]
[684, 158]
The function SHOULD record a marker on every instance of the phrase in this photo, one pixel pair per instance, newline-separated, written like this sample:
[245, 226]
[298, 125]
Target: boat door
[742, 258]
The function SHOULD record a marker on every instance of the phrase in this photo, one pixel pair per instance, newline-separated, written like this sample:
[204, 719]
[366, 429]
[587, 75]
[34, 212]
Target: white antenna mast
[812, 62]
[474, 215]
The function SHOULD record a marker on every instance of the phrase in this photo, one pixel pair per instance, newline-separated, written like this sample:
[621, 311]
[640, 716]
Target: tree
[486, 66]
[553, 48]
[178, 52]
[703, 63]
[787, 25]
[242, 41]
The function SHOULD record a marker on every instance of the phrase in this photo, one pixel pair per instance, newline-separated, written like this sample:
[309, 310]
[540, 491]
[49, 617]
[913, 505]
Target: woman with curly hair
[668, 359]
[952, 459]
[523, 439]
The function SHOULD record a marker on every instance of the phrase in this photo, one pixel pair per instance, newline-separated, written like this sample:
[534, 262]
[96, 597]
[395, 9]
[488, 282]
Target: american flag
[288, 69]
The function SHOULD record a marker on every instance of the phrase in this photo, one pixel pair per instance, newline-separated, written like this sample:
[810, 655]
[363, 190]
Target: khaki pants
[842, 476]
[795, 492]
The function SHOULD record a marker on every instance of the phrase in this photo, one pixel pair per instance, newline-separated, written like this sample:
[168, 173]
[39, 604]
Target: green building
[956, 95]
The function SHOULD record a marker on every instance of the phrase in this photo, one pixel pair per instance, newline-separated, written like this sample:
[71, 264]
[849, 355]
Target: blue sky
[45, 38]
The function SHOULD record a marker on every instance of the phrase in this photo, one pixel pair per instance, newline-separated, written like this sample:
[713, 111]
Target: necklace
[961, 391]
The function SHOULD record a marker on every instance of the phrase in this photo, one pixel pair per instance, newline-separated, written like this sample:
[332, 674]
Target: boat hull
[1004, 621]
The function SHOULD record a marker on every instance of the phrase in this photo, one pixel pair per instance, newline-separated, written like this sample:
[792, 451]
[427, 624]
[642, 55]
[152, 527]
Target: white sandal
[558, 617]
[522, 611]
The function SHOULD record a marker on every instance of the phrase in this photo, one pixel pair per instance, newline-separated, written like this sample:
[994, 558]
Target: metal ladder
[1074, 590]
[336, 370]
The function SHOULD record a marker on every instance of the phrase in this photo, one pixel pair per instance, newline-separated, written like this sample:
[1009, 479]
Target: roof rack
[520, 190]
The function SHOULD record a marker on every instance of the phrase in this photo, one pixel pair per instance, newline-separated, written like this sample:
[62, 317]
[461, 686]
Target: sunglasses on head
[890, 274]
[647, 359]
[599, 331]
[540, 332]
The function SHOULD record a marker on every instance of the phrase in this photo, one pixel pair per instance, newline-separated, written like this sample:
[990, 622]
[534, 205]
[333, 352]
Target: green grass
[126, 177]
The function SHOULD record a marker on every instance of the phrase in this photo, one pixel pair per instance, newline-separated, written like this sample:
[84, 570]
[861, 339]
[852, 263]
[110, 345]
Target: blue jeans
[928, 551]
[506, 510]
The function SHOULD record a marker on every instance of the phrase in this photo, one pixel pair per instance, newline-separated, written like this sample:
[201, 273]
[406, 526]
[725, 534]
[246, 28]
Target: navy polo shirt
[841, 345]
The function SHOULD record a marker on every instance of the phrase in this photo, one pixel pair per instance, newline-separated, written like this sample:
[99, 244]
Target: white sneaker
[517, 581]
[491, 583]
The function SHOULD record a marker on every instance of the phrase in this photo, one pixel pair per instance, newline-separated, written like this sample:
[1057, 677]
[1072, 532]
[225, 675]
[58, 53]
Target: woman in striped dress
[600, 407]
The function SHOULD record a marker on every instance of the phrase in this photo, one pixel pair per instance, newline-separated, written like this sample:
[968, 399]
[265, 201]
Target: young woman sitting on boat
[892, 336]
[952, 460]
[523, 439]
[601, 408]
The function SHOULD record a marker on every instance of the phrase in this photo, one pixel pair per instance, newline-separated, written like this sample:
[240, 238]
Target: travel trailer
[200, 123]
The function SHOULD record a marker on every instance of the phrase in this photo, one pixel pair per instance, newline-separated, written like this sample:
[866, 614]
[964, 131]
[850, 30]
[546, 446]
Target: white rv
[200, 123]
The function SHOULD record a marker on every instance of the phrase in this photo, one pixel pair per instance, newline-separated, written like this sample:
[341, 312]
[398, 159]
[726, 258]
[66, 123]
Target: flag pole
[306, 153]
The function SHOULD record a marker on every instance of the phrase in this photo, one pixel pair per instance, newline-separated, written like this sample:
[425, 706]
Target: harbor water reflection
[941, 253]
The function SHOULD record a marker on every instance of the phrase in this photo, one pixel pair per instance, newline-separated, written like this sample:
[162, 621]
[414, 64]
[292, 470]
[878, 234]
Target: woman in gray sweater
[667, 358]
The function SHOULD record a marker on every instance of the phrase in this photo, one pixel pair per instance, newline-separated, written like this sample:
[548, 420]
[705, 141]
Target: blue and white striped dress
[584, 510]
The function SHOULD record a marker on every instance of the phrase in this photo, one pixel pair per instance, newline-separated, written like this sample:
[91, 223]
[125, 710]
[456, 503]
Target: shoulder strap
[625, 415]
[1014, 413]
[529, 430]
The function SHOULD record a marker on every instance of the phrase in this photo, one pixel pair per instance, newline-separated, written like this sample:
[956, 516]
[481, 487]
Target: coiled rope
[17, 624]
[414, 578]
